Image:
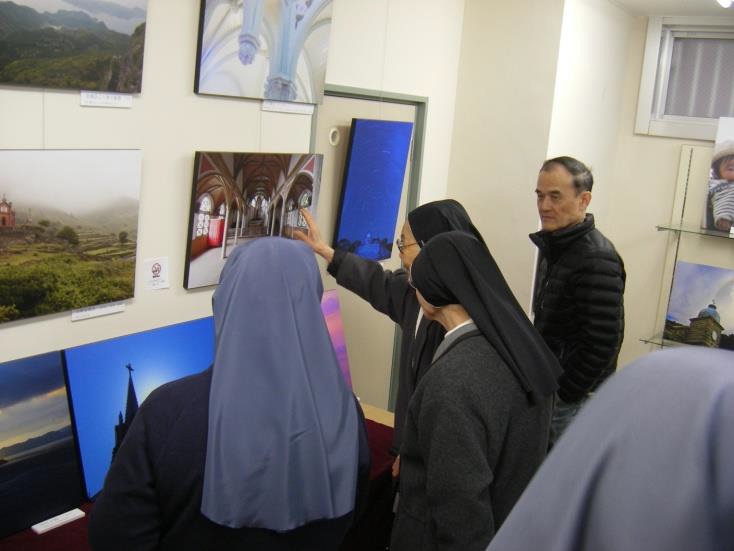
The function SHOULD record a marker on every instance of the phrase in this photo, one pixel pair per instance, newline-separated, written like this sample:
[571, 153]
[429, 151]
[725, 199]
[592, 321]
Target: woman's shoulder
[179, 393]
[470, 364]
[470, 351]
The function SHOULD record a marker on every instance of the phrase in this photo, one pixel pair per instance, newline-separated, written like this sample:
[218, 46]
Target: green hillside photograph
[68, 229]
[92, 45]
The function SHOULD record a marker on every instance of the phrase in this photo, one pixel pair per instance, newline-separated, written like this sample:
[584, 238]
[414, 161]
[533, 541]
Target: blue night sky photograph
[373, 183]
[98, 382]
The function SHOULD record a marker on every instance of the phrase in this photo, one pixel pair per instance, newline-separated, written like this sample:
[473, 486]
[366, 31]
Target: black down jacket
[579, 305]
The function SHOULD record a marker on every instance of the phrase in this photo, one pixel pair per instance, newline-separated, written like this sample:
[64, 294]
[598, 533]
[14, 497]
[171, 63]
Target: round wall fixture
[334, 136]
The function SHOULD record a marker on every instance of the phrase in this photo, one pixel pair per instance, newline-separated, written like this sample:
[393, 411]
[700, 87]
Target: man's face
[559, 206]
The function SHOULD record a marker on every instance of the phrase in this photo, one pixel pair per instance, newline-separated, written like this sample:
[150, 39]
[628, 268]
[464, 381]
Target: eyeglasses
[402, 245]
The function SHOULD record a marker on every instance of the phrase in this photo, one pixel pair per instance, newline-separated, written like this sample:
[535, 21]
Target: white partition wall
[168, 123]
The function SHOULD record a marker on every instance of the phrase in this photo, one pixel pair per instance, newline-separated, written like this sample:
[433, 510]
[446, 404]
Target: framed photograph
[719, 209]
[263, 49]
[73, 44]
[109, 379]
[333, 316]
[237, 197]
[374, 173]
[68, 229]
[39, 471]
[701, 306]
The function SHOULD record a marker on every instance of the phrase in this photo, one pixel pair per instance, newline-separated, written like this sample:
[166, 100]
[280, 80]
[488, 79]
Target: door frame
[414, 183]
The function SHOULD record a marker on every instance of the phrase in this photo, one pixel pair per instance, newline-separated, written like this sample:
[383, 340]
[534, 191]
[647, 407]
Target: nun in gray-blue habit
[648, 465]
[265, 449]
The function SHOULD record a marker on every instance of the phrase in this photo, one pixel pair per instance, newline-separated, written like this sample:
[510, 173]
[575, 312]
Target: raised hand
[313, 238]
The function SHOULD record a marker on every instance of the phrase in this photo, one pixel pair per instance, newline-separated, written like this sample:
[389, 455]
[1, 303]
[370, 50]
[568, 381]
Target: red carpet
[73, 536]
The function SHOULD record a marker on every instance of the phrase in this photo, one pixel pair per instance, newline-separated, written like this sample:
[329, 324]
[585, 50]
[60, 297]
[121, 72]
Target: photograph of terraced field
[73, 44]
[68, 229]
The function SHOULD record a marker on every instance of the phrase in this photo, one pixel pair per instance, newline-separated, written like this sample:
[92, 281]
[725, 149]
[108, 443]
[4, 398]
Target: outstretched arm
[385, 290]
[313, 238]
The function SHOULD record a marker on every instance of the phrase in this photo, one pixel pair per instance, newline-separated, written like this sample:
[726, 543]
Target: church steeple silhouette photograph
[131, 408]
[109, 380]
[701, 307]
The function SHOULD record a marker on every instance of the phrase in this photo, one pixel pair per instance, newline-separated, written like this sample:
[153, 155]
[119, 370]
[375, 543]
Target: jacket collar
[560, 239]
[470, 329]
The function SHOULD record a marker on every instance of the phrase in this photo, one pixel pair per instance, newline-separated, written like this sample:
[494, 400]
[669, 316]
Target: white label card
[106, 99]
[96, 311]
[288, 107]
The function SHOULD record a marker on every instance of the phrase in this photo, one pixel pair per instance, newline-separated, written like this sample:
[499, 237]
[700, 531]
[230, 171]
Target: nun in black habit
[389, 292]
[263, 450]
[478, 423]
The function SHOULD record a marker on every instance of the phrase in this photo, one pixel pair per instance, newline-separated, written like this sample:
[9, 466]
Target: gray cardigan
[472, 443]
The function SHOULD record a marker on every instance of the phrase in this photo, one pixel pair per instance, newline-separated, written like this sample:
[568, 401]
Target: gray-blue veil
[283, 428]
[647, 465]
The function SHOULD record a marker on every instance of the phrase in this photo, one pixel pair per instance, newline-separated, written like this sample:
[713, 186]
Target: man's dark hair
[582, 178]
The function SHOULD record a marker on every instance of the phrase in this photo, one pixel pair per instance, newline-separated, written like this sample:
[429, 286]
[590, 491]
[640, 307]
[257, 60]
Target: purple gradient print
[333, 317]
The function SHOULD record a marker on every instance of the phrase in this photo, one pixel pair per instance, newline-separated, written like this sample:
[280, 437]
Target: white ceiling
[673, 7]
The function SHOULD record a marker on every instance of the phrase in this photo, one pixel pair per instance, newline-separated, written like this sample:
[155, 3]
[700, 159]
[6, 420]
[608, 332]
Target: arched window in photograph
[203, 215]
[292, 217]
[304, 201]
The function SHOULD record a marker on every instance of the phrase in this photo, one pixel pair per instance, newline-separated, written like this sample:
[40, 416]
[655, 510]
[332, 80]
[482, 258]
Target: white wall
[410, 47]
[169, 122]
[507, 72]
[543, 79]
[592, 88]
[587, 101]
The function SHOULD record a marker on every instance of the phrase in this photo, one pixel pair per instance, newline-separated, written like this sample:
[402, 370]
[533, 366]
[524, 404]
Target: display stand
[687, 241]
[380, 433]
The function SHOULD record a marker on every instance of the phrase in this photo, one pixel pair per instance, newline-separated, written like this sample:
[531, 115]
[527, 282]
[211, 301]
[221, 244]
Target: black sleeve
[385, 290]
[126, 515]
[453, 442]
[363, 470]
[598, 285]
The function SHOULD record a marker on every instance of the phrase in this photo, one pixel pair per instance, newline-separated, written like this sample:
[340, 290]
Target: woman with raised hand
[478, 423]
[263, 450]
[389, 292]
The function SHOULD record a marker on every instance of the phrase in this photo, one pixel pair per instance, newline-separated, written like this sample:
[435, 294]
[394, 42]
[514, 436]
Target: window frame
[650, 118]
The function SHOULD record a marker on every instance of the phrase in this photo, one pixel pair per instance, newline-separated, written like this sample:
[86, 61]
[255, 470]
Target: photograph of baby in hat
[720, 200]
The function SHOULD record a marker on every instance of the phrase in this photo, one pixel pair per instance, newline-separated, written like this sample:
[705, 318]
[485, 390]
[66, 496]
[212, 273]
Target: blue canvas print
[39, 471]
[372, 187]
[109, 379]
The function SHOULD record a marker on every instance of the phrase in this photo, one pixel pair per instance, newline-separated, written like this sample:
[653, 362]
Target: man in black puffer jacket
[578, 301]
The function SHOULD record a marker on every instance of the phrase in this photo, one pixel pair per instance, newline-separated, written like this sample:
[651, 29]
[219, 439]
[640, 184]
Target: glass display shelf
[690, 229]
[658, 340]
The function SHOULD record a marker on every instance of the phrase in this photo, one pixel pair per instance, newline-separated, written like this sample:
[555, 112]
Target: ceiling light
[725, 3]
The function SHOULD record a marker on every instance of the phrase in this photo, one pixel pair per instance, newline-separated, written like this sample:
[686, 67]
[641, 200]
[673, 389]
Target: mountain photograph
[73, 44]
[68, 229]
